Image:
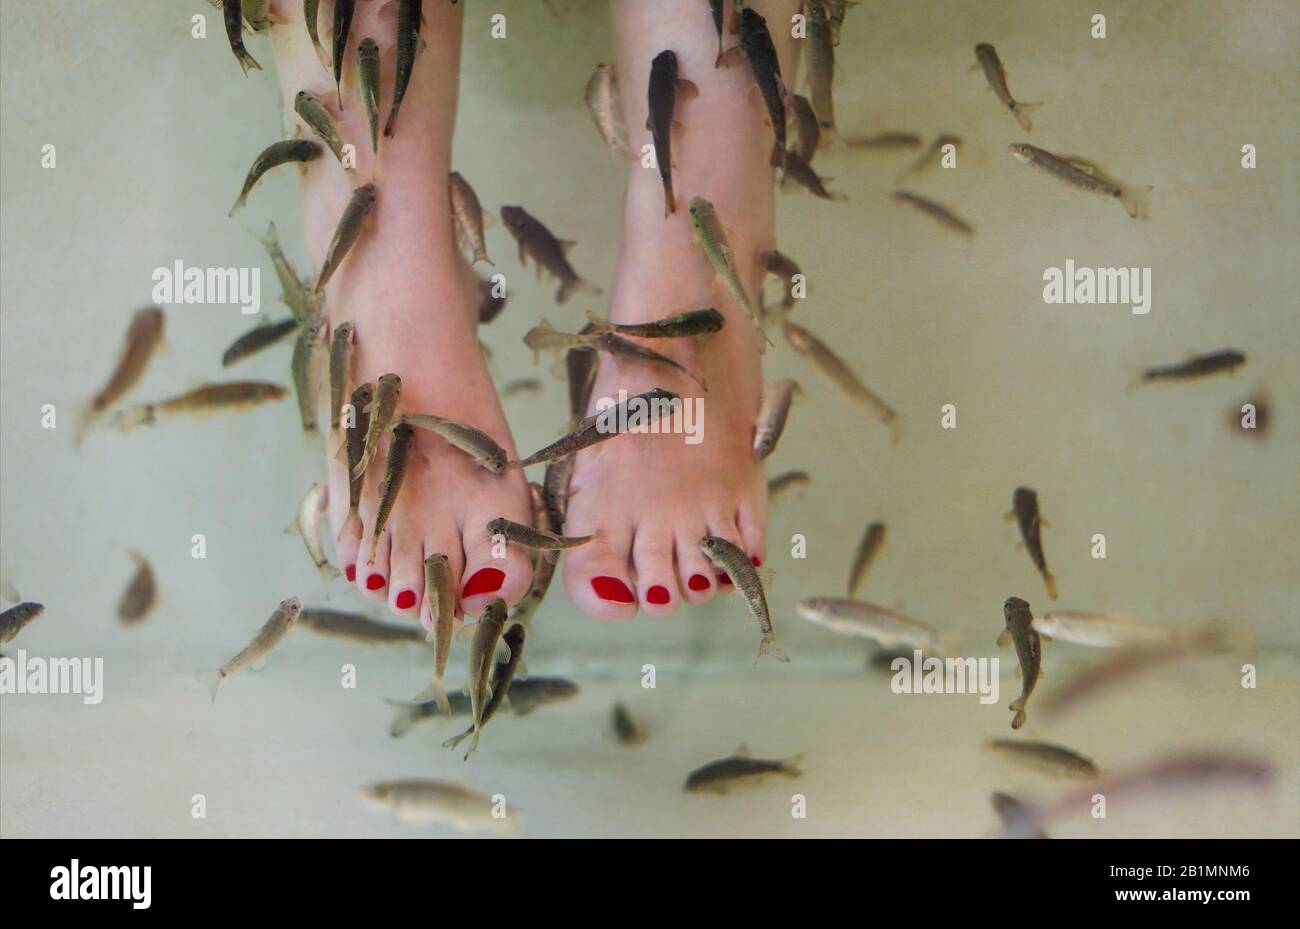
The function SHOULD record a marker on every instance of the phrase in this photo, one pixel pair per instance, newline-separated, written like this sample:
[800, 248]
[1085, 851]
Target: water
[154, 132]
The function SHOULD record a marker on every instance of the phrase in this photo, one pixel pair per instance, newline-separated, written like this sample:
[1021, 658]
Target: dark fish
[409, 15]
[1053, 760]
[347, 232]
[548, 543]
[625, 728]
[343, 10]
[140, 595]
[675, 326]
[940, 214]
[719, 776]
[525, 697]
[665, 85]
[996, 75]
[783, 482]
[143, 337]
[1228, 360]
[718, 12]
[761, 53]
[234, 17]
[368, 82]
[258, 338]
[16, 617]
[1029, 652]
[601, 426]
[1017, 816]
[807, 131]
[555, 491]
[580, 365]
[355, 627]
[354, 445]
[872, 541]
[399, 455]
[620, 347]
[798, 171]
[289, 151]
[1024, 510]
[548, 252]
[489, 305]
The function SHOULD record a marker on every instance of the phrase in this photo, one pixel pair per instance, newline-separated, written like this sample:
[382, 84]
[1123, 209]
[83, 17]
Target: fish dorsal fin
[742, 750]
[566, 245]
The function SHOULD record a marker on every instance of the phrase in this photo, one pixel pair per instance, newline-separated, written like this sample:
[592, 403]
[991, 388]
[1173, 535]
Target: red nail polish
[758, 562]
[723, 580]
[375, 582]
[351, 572]
[484, 581]
[611, 588]
[698, 582]
[406, 599]
[658, 595]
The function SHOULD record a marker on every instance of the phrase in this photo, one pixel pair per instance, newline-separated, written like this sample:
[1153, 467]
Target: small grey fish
[227, 397]
[308, 523]
[1053, 760]
[343, 12]
[1024, 512]
[548, 253]
[996, 75]
[548, 543]
[772, 416]
[467, 213]
[885, 140]
[940, 214]
[1083, 176]
[368, 81]
[503, 676]
[319, 121]
[141, 594]
[580, 364]
[731, 558]
[425, 802]
[1029, 652]
[555, 491]
[756, 42]
[381, 408]
[785, 270]
[143, 337]
[358, 628]
[613, 344]
[799, 172]
[482, 659]
[625, 727]
[807, 131]
[289, 151]
[523, 385]
[1198, 366]
[305, 368]
[340, 370]
[311, 14]
[602, 103]
[267, 638]
[662, 94]
[354, 445]
[932, 155]
[525, 697]
[721, 775]
[888, 628]
[778, 485]
[839, 376]
[293, 293]
[14, 619]
[440, 592]
[233, 15]
[399, 456]
[346, 232]
[718, 12]
[873, 540]
[605, 425]
[821, 65]
[1109, 630]
[711, 235]
[490, 304]
[546, 338]
[474, 442]
[258, 338]
[674, 326]
[836, 11]
[409, 15]
[1017, 816]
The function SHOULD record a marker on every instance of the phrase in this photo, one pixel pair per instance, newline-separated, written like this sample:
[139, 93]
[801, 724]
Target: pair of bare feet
[413, 301]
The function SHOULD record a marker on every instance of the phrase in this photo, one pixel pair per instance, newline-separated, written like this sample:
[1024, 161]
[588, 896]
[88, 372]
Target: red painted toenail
[758, 562]
[484, 581]
[406, 599]
[698, 582]
[375, 582]
[723, 579]
[611, 588]
[658, 595]
[351, 572]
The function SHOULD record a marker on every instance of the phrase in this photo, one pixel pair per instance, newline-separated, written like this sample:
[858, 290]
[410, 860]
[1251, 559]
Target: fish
[581, 364]
[940, 214]
[300, 299]
[548, 253]
[602, 102]
[799, 172]
[258, 338]
[440, 593]
[141, 593]
[347, 232]
[311, 14]
[710, 234]
[319, 121]
[625, 727]
[16, 618]
[604, 425]
[354, 446]
[230, 396]
[674, 326]
[540, 540]
[482, 651]
[409, 16]
[772, 416]
[467, 213]
[840, 377]
[543, 568]
[821, 66]
[233, 15]
[1197, 366]
[836, 10]
[307, 524]
[503, 676]
[731, 558]
[305, 367]
[1029, 652]
[489, 304]
[523, 385]
[143, 337]
[546, 338]
[555, 491]
[340, 370]
[257, 13]
[785, 270]
[289, 151]
[1015, 814]
[996, 75]
[426, 803]
[355, 627]
[368, 81]
[623, 349]
[756, 42]
[887, 628]
[1107, 630]
[1024, 512]
[525, 697]
[807, 131]
[1083, 176]
[778, 485]
[1053, 760]
[718, 11]
[381, 409]
[474, 442]
[267, 638]
[721, 775]
[343, 11]
[885, 140]
[931, 156]
[665, 86]
[873, 540]
[399, 454]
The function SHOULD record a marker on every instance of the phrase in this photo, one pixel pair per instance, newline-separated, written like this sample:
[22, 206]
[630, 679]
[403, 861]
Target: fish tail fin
[1021, 112]
[830, 138]
[238, 203]
[436, 692]
[1018, 720]
[455, 740]
[1049, 580]
[600, 322]
[896, 429]
[791, 765]
[84, 422]
[403, 721]
[569, 287]
[670, 201]
[328, 572]
[212, 680]
[128, 419]
[777, 158]
[246, 61]
[1134, 201]
[768, 647]
[473, 744]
